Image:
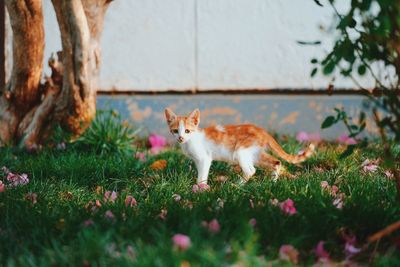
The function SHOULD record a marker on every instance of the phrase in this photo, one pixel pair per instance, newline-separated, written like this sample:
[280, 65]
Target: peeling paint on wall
[137, 114]
[276, 113]
[290, 119]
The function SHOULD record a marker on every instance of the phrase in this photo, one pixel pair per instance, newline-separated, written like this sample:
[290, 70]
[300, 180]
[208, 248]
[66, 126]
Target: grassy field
[54, 219]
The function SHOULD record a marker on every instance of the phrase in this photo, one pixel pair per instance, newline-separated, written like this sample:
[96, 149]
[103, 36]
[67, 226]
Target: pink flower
[213, 226]
[88, 223]
[204, 187]
[130, 201]
[334, 190]
[324, 184]
[32, 197]
[308, 137]
[195, 188]
[2, 187]
[140, 156]
[302, 136]
[253, 222]
[109, 215]
[320, 252]
[163, 214]
[389, 174]
[176, 197]
[157, 143]
[93, 207]
[200, 187]
[16, 179]
[288, 207]
[349, 247]
[181, 242]
[369, 166]
[289, 253]
[338, 201]
[345, 139]
[109, 196]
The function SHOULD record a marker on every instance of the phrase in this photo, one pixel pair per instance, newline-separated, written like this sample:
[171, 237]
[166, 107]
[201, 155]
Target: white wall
[208, 44]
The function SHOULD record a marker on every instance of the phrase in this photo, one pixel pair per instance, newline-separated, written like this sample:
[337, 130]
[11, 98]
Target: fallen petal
[213, 226]
[181, 241]
[289, 253]
[320, 251]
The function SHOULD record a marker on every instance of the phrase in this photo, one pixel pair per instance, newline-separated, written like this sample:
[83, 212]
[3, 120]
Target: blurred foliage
[369, 38]
[108, 134]
[368, 42]
[354, 129]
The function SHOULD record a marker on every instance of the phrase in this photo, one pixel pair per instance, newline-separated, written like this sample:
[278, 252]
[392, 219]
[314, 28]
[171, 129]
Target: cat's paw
[200, 187]
[277, 172]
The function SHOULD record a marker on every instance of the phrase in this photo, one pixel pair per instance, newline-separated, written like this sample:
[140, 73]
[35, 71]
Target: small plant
[368, 42]
[108, 134]
[354, 129]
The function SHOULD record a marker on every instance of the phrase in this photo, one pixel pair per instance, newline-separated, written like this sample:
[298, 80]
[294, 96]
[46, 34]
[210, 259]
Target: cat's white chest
[199, 147]
[196, 148]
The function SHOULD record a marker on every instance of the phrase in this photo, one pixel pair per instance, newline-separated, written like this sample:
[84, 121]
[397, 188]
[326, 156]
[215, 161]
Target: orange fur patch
[234, 137]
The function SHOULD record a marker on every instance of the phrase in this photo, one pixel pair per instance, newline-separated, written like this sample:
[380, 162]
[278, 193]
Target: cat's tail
[294, 159]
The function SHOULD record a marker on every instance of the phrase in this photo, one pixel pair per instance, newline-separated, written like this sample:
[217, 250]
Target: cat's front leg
[203, 167]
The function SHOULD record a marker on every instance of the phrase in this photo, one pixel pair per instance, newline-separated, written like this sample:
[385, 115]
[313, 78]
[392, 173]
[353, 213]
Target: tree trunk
[21, 92]
[29, 110]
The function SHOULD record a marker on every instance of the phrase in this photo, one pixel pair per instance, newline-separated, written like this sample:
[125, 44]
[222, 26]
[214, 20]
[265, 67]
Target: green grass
[52, 233]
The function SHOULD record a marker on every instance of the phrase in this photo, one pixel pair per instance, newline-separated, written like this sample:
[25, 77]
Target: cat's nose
[180, 139]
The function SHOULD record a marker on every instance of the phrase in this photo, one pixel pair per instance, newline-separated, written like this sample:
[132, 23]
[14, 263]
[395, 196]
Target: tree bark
[21, 92]
[80, 34]
[29, 110]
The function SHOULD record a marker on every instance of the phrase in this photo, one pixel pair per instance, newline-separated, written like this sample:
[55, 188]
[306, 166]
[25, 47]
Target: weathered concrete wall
[276, 113]
[207, 44]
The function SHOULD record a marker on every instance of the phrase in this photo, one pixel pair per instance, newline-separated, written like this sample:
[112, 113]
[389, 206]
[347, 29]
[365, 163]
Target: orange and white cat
[243, 144]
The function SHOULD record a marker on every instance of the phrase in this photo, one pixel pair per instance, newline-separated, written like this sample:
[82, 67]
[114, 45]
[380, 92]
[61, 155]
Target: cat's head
[183, 127]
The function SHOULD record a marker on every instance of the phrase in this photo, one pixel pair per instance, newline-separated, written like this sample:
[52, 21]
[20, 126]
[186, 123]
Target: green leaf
[328, 122]
[309, 43]
[318, 2]
[362, 117]
[352, 23]
[313, 72]
[349, 150]
[314, 61]
[328, 68]
[354, 127]
[362, 69]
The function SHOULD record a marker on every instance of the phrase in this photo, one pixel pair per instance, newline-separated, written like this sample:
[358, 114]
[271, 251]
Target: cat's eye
[187, 131]
[175, 131]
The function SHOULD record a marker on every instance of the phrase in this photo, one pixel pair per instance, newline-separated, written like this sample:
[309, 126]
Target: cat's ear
[195, 116]
[170, 115]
